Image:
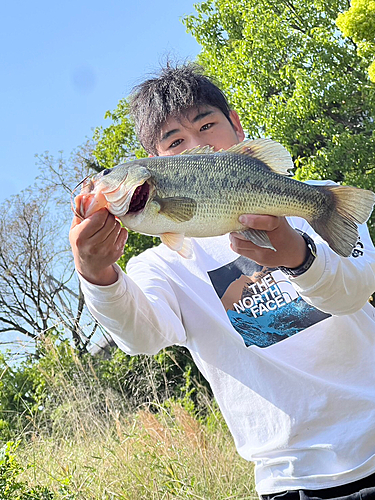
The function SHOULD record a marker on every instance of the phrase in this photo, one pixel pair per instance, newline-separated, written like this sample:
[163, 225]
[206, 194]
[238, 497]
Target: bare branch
[38, 291]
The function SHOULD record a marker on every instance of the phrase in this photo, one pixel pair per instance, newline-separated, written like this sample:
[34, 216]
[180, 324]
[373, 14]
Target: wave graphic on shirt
[261, 303]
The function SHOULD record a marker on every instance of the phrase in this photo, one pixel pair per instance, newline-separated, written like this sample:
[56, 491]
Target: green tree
[117, 144]
[358, 23]
[292, 77]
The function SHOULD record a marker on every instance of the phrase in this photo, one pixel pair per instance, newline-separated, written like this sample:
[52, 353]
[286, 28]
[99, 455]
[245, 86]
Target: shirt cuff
[314, 274]
[107, 293]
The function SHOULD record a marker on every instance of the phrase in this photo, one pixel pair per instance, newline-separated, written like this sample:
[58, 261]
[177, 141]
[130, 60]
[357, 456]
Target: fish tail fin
[349, 207]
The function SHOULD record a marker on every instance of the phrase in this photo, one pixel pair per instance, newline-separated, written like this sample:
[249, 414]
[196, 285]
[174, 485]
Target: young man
[286, 339]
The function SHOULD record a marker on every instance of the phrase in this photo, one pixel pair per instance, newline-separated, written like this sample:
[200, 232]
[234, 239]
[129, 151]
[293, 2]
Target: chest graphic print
[261, 303]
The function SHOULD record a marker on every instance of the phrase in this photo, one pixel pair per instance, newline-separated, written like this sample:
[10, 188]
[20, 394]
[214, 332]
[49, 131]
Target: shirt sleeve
[141, 317]
[338, 285]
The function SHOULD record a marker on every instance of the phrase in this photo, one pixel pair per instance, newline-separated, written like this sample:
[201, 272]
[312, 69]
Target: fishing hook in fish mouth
[72, 193]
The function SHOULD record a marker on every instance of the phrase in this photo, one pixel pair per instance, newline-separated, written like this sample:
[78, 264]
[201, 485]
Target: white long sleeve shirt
[291, 362]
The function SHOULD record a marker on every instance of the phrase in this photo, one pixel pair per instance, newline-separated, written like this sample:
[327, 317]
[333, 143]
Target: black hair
[172, 93]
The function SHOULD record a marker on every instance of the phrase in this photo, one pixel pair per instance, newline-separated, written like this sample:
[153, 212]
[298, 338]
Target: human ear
[237, 127]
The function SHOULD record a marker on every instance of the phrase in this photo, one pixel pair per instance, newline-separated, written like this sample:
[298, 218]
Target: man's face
[202, 126]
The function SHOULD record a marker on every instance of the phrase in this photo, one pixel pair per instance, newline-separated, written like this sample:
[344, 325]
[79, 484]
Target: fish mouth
[139, 199]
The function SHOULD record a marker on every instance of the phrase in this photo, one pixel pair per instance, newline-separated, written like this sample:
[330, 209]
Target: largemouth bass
[202, 193]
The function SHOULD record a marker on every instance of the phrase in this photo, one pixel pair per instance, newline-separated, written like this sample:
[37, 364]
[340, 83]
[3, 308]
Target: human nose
[195, 143]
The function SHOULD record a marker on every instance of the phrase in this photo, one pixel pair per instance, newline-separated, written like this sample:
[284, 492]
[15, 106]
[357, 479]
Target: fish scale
[228, 187]
[202, 193]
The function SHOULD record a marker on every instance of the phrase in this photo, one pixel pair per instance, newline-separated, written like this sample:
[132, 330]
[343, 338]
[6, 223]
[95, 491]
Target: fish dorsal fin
[269, 152]
[199, 150]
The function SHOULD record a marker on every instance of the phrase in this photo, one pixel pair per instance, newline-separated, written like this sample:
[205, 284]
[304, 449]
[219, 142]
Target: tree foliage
[358, 23]
[291, 77]
[114, 145]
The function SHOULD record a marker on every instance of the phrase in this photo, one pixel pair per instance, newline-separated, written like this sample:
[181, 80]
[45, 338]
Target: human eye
[206, 126]
[175, 143]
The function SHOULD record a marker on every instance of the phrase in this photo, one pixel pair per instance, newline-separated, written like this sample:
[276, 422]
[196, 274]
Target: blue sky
[64, 64]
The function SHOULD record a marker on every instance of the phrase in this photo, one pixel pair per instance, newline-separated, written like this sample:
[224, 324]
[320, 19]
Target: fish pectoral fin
[259, 238]
[269, 152]
[178, 243]
[178, 209]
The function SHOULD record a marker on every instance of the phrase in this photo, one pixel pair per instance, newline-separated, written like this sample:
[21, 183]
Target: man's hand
[97, 243]
[291, 247]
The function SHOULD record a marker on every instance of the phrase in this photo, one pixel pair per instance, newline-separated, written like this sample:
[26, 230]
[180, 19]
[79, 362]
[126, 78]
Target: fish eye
[106, 171]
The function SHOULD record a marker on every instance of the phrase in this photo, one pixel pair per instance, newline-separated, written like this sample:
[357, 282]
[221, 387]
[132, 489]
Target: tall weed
[164, 454]
[87, 433]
